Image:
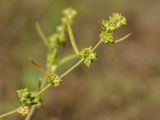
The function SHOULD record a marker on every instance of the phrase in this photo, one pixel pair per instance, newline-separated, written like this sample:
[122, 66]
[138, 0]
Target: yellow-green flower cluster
[88, 56]
[54, 79]
[59, 37]
[110, 26]
[106, 37]
[25, 97]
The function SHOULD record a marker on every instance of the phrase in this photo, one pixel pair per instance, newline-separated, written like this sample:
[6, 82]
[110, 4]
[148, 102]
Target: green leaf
[73, 42]
[42, 35]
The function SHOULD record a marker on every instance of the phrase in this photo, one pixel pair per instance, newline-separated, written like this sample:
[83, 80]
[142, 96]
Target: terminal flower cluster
[110, 26]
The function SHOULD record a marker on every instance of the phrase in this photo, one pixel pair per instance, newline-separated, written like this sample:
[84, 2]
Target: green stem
[67, 58]
[72, 68]
[54, 53]
[121, 39]
[95, 47]
[33, 108]
[43, 89]
[9, 113]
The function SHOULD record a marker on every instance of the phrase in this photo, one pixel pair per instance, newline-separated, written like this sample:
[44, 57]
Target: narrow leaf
[74, 45]
[42, 35]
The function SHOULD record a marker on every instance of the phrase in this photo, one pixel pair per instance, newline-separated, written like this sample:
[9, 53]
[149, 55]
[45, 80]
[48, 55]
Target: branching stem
[33, 108]
[9, 113]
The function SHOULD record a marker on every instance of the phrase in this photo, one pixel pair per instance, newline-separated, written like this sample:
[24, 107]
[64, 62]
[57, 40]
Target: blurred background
[122, 84]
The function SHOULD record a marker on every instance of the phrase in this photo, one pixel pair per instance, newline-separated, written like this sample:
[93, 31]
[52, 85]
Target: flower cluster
[110, 26]
[54, 79]
[59, 37]
[106, 37]
[88, 56]
[25, 97]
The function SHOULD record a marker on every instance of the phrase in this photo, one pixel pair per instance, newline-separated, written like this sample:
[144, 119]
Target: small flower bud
[88, 56]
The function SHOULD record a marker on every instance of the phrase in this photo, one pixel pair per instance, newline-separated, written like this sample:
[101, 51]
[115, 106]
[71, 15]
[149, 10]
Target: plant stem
[121, 39]
[9, 113]
[54, 53]
[72, 68]
[33, 108]
[95, 47]
[43, 89]
[67, 58]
